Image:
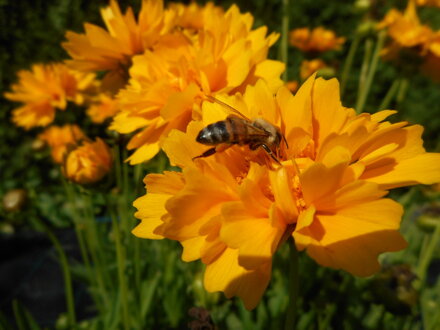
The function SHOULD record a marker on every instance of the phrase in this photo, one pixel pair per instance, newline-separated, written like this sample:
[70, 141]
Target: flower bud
[88, 163]
[429, 219]
[393, 288]
[14, 200]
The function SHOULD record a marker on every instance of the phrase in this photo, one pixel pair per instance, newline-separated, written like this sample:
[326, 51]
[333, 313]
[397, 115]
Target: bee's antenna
[227, 106]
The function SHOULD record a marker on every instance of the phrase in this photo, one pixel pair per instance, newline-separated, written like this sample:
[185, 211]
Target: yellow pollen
[297, 192]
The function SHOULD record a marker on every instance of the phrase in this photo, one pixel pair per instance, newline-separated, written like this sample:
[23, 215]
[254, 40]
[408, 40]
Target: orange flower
[292, 86]
[112, 50]
[232, 211]
[412, 43]
[167, 86]
[88, 163]
[431, 64]
[310, 67]
[45, 88]
[60, 139]
[432, 3]
[102, 108]
[316, 40]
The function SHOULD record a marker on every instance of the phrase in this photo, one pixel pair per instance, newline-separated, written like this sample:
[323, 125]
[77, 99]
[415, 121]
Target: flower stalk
[427, 254]
[293, 286]
[284, 37]
[349, 62]
[362, 98]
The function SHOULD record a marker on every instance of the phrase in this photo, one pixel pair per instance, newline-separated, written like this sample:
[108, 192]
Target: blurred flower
[102, 108]
[232, 211]
[316, 40]
[432, 3]
[292, 86]
[393, 287]
[167, 85]
[412, 44]
[60, 139]
[45, 88]
[310, 67]
[14, 200]
[88, 163]
[111, 50]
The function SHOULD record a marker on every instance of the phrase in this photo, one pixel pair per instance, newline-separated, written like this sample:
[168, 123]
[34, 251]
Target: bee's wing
[235, 111]
[255, 131]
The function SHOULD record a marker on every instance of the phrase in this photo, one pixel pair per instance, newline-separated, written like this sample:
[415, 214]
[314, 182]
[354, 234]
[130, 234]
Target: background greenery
[31, 32]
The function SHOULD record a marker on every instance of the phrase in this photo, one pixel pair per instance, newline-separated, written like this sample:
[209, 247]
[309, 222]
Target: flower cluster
[328, 193]
[412, 43]
[219, 53]
[313, 43]
[318, 40]
[44, 89]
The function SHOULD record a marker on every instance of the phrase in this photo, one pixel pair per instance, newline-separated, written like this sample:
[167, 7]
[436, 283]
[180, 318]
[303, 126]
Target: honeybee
[240, 130]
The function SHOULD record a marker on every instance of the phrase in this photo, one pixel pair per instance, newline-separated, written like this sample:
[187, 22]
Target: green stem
[349, 61]
[18, 318]
[79, 229]
[96, 250]
[284, 37]
[70, 302]
[371, 72]
[293, 286]
[403, 89]
[365, 66]
[427, 256]
[390, 95]
[120, 256]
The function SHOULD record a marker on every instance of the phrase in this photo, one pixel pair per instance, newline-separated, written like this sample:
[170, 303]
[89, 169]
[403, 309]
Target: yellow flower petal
[224, 274]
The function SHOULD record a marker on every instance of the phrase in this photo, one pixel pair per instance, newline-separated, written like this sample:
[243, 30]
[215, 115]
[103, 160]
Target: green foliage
[161, 288]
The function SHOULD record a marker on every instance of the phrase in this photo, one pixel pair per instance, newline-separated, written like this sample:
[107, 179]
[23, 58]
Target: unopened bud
[14, 200]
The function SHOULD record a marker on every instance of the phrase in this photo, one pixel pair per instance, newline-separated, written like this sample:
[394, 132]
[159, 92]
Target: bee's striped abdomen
[214, 134]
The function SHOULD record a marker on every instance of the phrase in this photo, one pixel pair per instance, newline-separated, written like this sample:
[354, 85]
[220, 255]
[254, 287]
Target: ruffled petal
[225, 274]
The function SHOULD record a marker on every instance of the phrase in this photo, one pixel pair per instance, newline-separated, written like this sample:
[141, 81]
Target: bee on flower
[167, 85]
[233, 211]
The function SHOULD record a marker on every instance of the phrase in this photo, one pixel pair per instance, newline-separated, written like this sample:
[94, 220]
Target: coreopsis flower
[60, 139]
[317, 40]
[111, 50]
[432, 3]
[431, 64]
[232, 210]
[89, 162]
[167, 85]
[413, 44]
[292, 86]
[103, 107]
[308, 68]
[45, 88]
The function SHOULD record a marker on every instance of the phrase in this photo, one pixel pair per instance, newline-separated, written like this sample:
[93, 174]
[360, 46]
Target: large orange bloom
[167, 85]
[112, 49]
[316, 40]
[232, 211]
[45, 88]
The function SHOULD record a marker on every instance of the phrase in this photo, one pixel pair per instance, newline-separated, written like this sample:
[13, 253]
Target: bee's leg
[212, 151]
[207, 153]
[270, 153]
